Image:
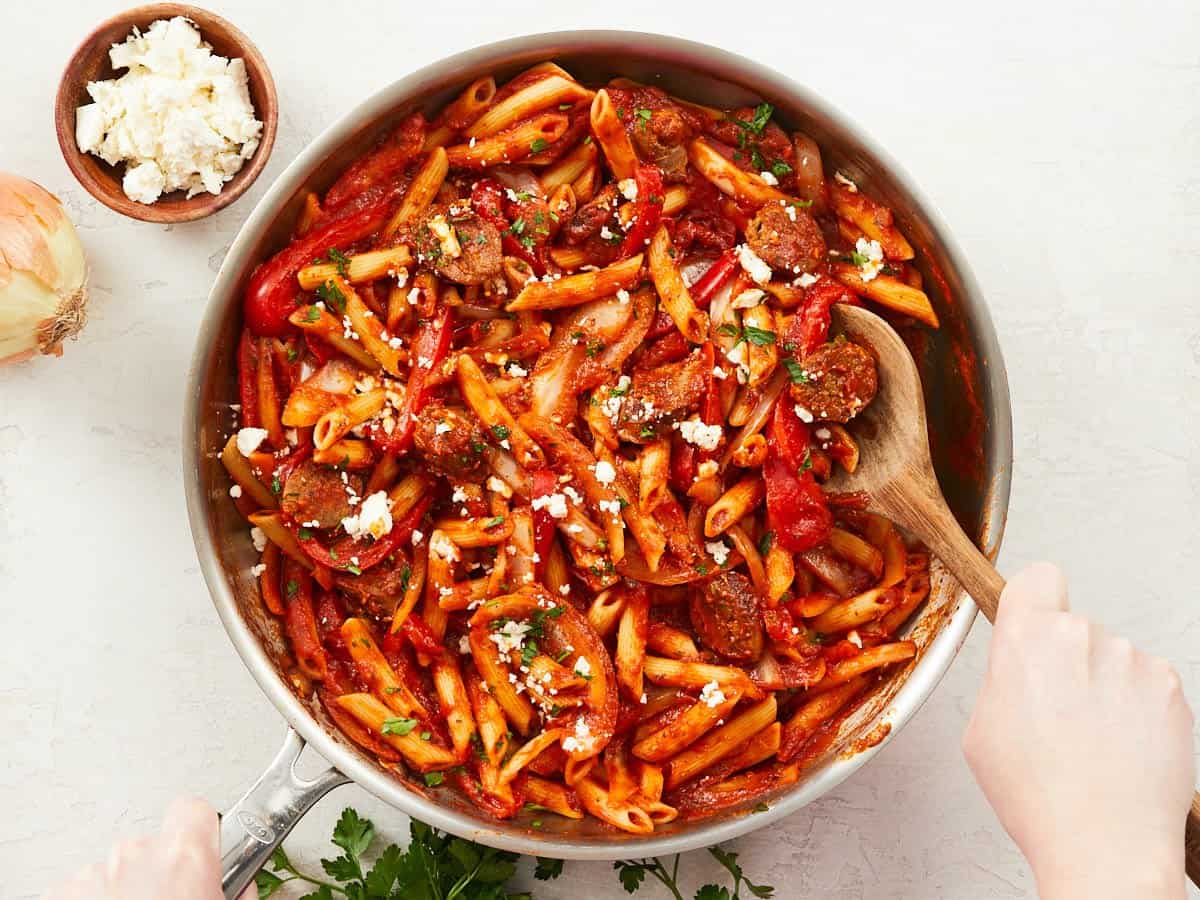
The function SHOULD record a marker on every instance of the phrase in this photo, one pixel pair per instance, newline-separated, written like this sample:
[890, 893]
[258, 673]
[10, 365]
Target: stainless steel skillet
[966, 394]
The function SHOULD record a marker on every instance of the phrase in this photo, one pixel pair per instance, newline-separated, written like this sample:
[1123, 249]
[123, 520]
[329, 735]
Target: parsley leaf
[859, 259]
[493, 522]
[538, 145]
[339, 259]
[312, 315]
[398, 726]
[779, 168]
[760, 337]
[332, 295]
[765, 542]
[433, 779]
[631, 874]
[501, 432]
[548, 869]
[795, 370]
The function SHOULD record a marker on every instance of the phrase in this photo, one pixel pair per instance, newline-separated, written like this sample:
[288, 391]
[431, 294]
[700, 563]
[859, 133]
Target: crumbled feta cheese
[464, 646]
[706, 437]
[642, 699]
[854, 638]
[442, 546]
[555, 504]
[446, 236]
[804, 414]
[628, 188]
[719, 373]
[414, 296]
[808, 279]
[769, 178]
[605, 233]
[259, 538]
[564, 589]
[235, 491]
[718, 551]
[180, 117]
[873, 263]
[583, 668]
[249, 439]
[845, 182]
[622, 295]
[459, 495]
[750, 298]
[516, 370]
[754, 267]
[442, 428]
[707, 469]
[499, 486]
[823, 434]
[374, 517]
[258, 569]
[605, 473]
[610, 506]
[572, 494]
[510, 636]
[711, 695]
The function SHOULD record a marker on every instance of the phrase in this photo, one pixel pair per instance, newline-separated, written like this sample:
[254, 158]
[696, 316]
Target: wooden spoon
[896, 472]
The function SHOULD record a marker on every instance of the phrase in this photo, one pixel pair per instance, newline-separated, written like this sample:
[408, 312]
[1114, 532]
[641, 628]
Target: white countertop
[1061, 143]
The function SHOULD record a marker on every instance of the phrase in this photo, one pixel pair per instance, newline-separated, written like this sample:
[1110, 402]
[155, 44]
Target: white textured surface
[1061, 142]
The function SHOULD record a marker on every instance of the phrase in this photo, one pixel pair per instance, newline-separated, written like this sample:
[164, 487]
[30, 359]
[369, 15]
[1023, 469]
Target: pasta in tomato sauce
[536, 408]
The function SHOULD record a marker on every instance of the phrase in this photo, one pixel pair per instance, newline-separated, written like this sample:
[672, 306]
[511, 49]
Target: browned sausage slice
[726, 619]
[841, 381]
[317, 493]
[660, 396]
[450, 440]
[379, 589]
[786, 238]
[458, 244]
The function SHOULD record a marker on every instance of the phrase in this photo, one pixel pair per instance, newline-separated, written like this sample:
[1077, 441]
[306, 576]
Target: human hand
[183, 862]
[1083, 746]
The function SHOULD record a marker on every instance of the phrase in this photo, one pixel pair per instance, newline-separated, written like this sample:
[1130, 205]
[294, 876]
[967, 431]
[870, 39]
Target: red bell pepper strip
[647, 210]
[271, 295]
[796, 508]
[663, 323]
[376, 553]
[810, 328]
[788, 435]
[683, 468]
[421, 636]
[668, 349]
[778, 624]
[322, 352]
[300, 622]
[717, 276]
[385, 161]
[247, 363]
[489, 201]
[431, 346]
[545, 482]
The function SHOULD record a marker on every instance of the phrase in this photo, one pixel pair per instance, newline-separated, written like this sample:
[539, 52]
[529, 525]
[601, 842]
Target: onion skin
[43, 272]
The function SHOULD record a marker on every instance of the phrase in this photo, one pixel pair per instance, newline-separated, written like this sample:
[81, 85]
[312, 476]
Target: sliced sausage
[458, 244]
[841, 381]
[660, 396]
[726, 619]
[660, 136]
[450, 440]
[378, 590]
[317, 493]
[756, 150]
[590, 218]
[786, 238]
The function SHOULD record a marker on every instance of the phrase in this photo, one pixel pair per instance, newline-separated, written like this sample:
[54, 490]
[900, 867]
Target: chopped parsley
[645, 115]
[433, 779]
[398, 726]
[538, 145]
[765, 542]
[795, 370]
[859, 259]
[779, 168]
[594, 348]
[501, 432]
[276, 487]
[647, 431]
[291, 589]
[312, 315]
[405, 577]
[540, 616]
[528, 652]
[493, 522]
[330, 293]
[339, 259]
[760, 337]
[304, 534]
[807, 464]
[354, 570]
[292, 354]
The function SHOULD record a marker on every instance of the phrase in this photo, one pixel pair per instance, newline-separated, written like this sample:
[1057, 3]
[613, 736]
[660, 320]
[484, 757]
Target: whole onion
[43, 272]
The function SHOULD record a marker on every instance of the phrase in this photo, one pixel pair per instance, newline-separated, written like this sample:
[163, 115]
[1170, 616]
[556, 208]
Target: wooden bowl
[90, 62]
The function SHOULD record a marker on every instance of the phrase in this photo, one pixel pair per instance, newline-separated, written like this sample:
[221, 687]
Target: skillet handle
[258, 823]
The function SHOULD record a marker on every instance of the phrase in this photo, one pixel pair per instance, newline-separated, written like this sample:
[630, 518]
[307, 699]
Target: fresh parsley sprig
[435, 866]
[633, 872]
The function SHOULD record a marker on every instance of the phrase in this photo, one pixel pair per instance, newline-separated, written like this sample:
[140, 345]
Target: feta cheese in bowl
[180, 117]
[166, 113]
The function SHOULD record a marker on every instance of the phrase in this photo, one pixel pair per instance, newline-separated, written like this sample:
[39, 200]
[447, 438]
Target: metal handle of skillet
[254, 826]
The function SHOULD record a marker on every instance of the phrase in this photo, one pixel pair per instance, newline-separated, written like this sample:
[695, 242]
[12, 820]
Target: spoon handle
[930, 519]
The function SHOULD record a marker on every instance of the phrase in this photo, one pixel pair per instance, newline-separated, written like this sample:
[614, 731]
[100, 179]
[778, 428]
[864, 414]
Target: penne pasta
[610, 135]
[356, 268]
[672, 292]
[573, 290]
